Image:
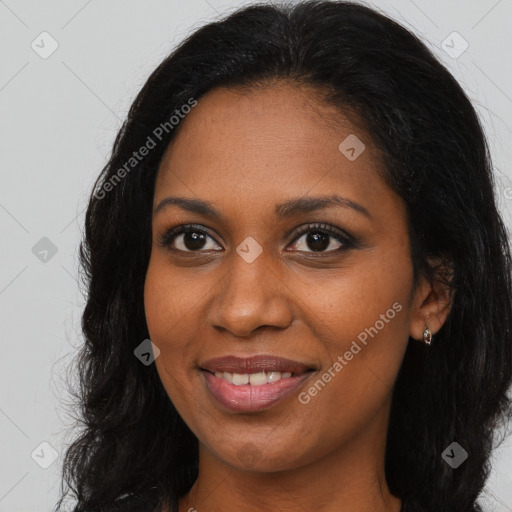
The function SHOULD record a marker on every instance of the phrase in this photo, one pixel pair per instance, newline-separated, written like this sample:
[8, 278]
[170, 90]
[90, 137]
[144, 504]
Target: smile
[253, 384]
[254, 379]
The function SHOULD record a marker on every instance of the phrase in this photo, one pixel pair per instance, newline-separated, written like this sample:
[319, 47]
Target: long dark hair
[437, 159]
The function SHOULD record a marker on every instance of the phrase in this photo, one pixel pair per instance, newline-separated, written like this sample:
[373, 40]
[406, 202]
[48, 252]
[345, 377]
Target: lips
[255, 364]
[255, 383]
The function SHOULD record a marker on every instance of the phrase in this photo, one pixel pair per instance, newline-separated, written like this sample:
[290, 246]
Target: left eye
[192, 238]
[317, 241]
[316, 237]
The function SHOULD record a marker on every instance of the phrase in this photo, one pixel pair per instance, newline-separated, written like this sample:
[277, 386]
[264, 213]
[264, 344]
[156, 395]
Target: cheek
[362, 318]
[170, 302]
[170, 309]
[351, 302]
[156, 298]
[163, 311]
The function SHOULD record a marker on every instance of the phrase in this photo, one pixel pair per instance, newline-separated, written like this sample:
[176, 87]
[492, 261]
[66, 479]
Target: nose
[251, 296]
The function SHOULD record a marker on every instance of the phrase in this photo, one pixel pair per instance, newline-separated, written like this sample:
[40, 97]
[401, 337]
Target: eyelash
[348, 241]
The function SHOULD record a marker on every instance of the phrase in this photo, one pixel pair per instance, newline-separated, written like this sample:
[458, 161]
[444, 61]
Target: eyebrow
[283, 210]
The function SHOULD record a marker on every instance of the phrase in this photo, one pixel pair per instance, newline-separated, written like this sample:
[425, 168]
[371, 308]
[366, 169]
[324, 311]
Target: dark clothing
[150, 501]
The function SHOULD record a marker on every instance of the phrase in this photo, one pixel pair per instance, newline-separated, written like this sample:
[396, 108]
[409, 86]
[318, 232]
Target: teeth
[274, 376]
[240, 378]
[255, 379]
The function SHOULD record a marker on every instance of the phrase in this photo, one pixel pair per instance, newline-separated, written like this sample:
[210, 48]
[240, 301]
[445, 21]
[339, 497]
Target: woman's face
[246, 283]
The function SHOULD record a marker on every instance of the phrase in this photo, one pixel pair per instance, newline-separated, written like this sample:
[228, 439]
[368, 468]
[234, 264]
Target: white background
[58, 120]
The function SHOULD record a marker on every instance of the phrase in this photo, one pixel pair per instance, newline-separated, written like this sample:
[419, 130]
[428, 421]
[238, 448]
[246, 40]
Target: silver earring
[427, 336]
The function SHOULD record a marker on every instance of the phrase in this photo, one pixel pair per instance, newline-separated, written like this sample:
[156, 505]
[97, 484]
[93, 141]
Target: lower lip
[248, 398]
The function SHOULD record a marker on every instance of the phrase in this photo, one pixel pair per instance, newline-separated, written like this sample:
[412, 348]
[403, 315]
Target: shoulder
[411, 506]
[147, 501]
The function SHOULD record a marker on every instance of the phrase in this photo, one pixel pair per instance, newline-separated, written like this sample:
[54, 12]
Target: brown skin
[246, 152]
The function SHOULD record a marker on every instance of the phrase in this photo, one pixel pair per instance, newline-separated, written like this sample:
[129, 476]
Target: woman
[299, 290]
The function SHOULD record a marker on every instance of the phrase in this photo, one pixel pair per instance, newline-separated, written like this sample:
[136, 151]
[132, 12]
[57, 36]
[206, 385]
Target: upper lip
[254, 364]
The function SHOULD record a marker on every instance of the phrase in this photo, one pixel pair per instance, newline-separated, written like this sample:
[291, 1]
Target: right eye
[193, 239]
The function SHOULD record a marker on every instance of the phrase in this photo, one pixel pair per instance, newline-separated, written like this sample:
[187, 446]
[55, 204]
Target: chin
[250, 457]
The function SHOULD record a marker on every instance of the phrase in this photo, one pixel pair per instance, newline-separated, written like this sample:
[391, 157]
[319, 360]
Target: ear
[433, 299]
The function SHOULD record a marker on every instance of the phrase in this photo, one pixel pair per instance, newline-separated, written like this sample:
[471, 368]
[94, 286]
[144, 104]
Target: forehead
[277, 114]
[278, 127]
[257, 147]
